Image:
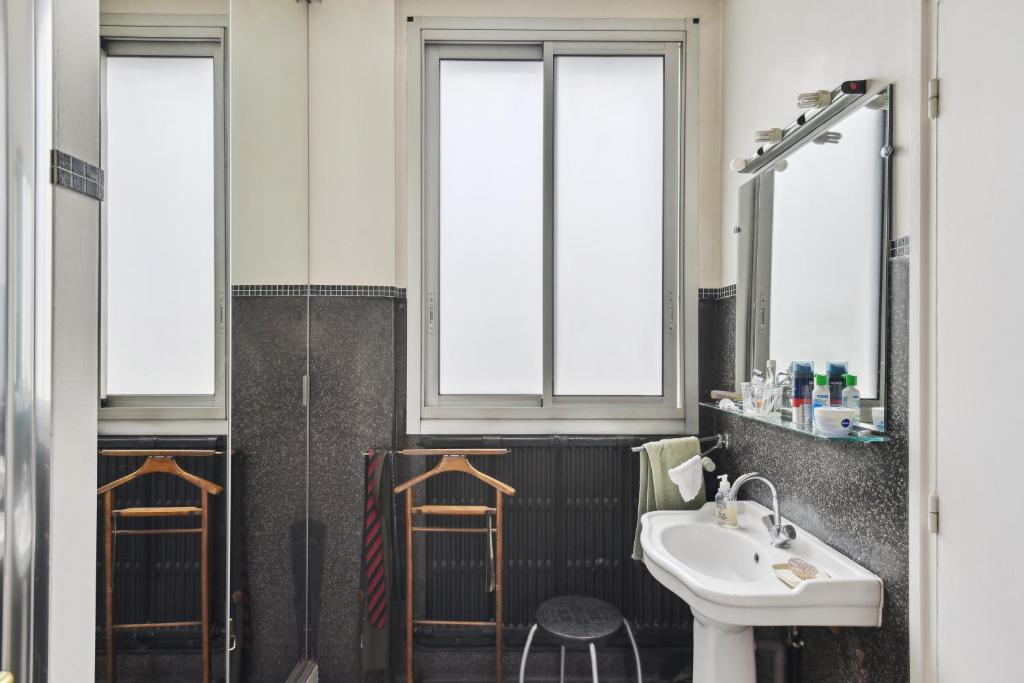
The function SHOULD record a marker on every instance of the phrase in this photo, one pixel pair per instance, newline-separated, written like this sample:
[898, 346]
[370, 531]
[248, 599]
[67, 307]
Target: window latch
[220, 310]
[671, 310]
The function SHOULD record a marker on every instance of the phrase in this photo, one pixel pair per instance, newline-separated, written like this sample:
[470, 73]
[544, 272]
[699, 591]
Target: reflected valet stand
[157, 462]
[454, 460]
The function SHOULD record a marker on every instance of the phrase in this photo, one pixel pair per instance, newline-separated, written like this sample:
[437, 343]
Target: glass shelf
[859, 434]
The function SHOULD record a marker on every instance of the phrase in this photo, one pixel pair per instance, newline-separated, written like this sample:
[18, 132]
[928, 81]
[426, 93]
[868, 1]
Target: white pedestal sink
[725, 576]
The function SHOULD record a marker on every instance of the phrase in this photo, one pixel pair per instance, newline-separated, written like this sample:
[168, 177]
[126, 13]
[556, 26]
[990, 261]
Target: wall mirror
[814, 225]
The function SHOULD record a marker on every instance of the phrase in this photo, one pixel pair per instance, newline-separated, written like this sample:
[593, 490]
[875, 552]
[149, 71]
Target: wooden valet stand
[160, 461]
[454, 460]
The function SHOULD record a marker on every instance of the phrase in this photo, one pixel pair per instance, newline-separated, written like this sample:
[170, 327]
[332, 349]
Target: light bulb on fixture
[814, 100]
[770, 136]
[738, 164]
[781, 166]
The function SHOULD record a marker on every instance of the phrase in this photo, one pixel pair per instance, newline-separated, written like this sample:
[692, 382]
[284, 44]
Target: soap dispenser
[725, 503]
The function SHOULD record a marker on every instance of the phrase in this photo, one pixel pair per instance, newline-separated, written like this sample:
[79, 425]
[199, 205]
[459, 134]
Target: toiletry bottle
[725, 504]
[851, 394]
[821, 398]
[836, 370]
[801, 377]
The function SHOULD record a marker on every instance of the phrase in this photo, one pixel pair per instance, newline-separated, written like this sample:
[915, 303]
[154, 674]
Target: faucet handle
[781, 534]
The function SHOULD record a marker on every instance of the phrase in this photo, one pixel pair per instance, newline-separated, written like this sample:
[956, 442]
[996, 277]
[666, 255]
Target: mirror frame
[754, 228]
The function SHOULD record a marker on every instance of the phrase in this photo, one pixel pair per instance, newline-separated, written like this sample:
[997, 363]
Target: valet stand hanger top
[456, 461]
[159, 462]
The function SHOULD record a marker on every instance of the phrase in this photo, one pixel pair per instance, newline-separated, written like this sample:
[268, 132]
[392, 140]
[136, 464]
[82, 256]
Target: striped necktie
[373, 546]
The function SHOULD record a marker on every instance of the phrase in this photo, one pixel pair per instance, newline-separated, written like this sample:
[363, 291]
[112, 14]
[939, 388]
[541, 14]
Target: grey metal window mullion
[549, 226]
[431, 357]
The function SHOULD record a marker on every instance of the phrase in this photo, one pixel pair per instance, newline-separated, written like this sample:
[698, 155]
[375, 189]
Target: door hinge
[431, 312]
[305, 390]
[933, 99]
[933, 513]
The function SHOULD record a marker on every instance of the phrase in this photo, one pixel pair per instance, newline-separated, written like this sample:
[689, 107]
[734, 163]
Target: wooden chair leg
[498, 542]
[408, 586]
[108, 580]
[204, 585]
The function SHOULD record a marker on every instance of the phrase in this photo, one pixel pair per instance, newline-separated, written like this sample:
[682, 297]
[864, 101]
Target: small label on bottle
[721, 514]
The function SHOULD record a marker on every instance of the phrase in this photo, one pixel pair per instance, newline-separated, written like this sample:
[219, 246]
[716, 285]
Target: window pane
[491, 227]
[160, 226]
[608, 225]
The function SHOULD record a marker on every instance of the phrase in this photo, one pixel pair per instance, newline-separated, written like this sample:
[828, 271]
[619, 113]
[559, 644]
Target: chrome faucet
[781, 534]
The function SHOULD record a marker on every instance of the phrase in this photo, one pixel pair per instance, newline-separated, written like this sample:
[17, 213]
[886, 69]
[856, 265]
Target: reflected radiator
[569, 530]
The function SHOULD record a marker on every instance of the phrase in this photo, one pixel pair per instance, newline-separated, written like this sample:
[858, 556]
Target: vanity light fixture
[770, 136]
[814, 100]
[824, 107]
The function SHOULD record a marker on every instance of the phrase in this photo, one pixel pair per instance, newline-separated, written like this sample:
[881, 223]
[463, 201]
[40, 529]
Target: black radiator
[568, 530]
[156, 578]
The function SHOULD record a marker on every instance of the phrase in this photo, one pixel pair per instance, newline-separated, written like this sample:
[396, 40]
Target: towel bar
[720, 441]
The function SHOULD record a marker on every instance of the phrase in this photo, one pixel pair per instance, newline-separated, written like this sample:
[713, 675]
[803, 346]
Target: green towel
[657, 490]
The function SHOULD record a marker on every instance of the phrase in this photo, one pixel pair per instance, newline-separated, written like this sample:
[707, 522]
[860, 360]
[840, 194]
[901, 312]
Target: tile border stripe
[716, 293]
[76, 175]
[372, 291]
[899, 247]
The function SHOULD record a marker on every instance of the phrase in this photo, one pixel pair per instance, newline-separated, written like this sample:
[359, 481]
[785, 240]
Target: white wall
[352, 142]
[72, 619]
[357, 125]
[165, 6]
[268, 134]
[774, 49]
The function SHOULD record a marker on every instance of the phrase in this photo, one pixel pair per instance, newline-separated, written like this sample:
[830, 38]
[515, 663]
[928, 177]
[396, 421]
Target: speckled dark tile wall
[852, 496]
[717, 344]
[352, 362]
[269, 429]
[352, 408]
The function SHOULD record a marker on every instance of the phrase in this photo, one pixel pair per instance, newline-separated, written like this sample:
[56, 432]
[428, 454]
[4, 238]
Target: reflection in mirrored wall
[814, 225]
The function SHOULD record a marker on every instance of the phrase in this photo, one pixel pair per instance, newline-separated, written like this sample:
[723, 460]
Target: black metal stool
[579, 620]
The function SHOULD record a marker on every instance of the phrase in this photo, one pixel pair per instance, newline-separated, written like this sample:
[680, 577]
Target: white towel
[689, 477]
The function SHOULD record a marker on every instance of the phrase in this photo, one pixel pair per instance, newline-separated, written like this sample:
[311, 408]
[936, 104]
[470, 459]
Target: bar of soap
[802, 568]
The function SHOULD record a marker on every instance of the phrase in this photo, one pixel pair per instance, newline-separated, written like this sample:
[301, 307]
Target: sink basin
[725, 576]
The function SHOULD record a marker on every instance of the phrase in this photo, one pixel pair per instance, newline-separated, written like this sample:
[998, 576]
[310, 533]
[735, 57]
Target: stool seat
[578, 619]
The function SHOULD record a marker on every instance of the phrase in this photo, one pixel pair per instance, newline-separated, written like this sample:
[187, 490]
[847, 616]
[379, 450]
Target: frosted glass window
[160, 246]
[608, 225]
[826, 252]
[491, 227]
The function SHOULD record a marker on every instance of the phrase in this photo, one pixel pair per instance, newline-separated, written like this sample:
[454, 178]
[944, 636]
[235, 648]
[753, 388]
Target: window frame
[433, 39]
[172, 41]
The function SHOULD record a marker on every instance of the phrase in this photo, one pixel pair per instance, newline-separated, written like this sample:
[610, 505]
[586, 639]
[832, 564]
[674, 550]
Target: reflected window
[163, 275]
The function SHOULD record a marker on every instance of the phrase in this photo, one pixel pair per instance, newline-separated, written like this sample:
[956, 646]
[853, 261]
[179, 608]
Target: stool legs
[636, 652]
[593, 656]
[526, 653]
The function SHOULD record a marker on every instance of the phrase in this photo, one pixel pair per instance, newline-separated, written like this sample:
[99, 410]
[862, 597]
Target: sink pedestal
[722, 652]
